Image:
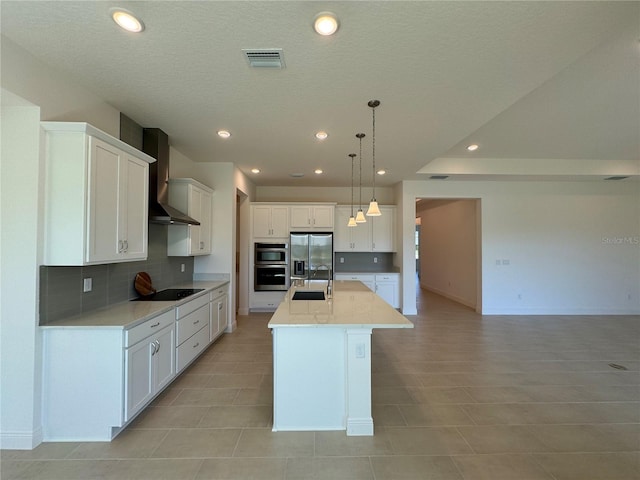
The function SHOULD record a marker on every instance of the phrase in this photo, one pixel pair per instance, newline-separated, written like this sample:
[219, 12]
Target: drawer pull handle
[197, 344]
[155, 325]
[196, 322]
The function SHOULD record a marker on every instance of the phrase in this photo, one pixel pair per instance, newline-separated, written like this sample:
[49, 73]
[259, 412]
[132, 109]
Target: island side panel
[359, 420]
[309, 379]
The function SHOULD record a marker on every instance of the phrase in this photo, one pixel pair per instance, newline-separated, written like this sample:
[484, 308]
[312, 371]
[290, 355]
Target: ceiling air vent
[616, 178]
[439, 177]
[264, 57]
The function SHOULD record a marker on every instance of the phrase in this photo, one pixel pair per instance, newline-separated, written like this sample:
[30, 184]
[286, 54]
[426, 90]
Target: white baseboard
[20, 440]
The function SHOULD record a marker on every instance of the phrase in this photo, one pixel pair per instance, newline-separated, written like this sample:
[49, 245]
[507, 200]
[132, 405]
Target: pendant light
[373, 211]
[352, 219]
[360, 218]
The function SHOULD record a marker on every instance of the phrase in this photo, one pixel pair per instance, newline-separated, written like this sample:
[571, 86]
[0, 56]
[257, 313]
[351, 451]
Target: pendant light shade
[352, 219]
[360, 218]
[373, 210]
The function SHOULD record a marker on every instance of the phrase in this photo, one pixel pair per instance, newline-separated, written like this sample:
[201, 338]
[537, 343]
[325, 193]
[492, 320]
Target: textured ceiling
[547, 89]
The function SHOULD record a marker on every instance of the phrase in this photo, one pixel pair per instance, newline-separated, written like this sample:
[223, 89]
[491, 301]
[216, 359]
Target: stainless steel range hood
[156, 144]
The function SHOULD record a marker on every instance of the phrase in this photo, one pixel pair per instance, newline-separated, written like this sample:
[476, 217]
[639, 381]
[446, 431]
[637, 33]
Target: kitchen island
[322, 357]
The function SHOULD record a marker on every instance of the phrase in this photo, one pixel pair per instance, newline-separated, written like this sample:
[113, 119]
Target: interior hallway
[460, 397]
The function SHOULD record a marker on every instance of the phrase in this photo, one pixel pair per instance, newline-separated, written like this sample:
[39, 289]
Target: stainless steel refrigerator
[311, 256]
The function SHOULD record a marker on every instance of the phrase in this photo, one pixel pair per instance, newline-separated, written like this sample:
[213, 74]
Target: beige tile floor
[461, 396]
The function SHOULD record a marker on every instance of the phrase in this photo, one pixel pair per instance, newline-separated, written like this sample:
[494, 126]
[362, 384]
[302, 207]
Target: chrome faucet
[329, 286]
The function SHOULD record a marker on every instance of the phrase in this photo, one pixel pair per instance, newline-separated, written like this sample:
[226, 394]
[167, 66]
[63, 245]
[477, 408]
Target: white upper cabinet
[96, 189]
[270, 221]
[311, 217]
[383, 230]
[350, 239]
[377, 235]
[196, 200]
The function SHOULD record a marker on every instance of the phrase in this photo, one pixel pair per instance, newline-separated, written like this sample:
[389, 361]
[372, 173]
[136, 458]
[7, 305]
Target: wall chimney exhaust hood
[155, 143]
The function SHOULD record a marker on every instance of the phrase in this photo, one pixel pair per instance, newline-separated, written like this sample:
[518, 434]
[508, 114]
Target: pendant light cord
[360, 174]
[373, 151]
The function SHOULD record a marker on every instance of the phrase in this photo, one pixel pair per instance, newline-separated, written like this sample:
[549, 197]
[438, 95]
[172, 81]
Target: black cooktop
[170, 294]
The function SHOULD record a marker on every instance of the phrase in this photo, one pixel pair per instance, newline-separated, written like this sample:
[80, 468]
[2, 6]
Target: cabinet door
[194, 211]
[104, 198]
[342, 233]
[323, 217]
[387, 291]
[139, 382]
[280, 221]
[301, 217]
[205, 223]
[133, 214]
[361, 237]
[261, 221]
[383, 230]
[222, 305]
[164, 366]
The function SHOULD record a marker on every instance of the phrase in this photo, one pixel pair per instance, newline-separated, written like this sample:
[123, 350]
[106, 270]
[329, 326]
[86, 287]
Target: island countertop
[352, 305]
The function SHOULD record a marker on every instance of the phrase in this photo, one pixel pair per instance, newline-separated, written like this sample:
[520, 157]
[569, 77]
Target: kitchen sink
[308, 295]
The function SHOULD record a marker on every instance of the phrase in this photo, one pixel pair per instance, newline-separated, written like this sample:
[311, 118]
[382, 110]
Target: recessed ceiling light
[325, 23]
[127, 20]
[318, 171]
[224, 133]
[382, 171]
[473, 147]
[255, 170]
[321, 135]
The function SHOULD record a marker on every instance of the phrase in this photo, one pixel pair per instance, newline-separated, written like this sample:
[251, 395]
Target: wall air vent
[439, 177]
[616, 178]
[264, 57]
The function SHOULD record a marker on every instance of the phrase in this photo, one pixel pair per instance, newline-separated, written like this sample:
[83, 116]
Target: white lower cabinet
[192, 324]
[265, 301]
[386, 285]
[97, 379]
[368, 280]
[149, 367]
[219, 313]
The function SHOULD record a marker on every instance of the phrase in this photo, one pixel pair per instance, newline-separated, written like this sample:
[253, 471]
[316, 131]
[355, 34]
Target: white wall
[561, 240]
[448, 253]
[59, 97]
[21, 205]
[340, 195]
[43, 94]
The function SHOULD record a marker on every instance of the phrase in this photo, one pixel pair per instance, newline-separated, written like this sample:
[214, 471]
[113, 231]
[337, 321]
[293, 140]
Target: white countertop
[352, 305]
[131, 313]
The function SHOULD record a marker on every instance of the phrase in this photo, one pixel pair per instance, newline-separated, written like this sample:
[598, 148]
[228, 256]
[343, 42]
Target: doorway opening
[448, 250]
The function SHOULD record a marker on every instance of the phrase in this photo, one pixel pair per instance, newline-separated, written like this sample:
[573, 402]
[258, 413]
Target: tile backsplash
[61, 288]
[364, 262]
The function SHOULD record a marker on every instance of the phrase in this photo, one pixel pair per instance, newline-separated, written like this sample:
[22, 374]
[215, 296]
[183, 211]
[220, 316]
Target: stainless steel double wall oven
[271, 267]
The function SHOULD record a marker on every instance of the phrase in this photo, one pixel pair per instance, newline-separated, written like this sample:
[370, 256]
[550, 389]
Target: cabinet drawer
[142, 331]
[192, 305]
[190, 324]
[387, 277]
[191, 348]
[361, 278]
[218, 292]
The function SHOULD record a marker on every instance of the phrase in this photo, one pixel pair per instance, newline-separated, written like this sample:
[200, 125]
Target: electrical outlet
[87, 285]
[182, 267]
[375, 259]
[360, 350]
[341, 259]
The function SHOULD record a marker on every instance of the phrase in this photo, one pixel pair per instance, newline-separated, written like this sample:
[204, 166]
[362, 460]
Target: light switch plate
[87, 285]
